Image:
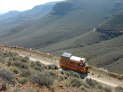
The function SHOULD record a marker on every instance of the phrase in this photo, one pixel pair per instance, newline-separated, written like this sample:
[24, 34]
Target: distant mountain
[93, 35]
[39, 10]
[93, 29]
[8, 15]
[17, 21]
[67, 19]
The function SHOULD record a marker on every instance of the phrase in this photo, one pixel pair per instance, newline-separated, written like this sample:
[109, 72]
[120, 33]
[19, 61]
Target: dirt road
[36, 59]
[94, 74]
[109, 81]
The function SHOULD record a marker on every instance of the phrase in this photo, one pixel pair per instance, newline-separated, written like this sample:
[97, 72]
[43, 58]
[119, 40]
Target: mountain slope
[106, 53]
[66, 20]
[17, 21]
[71, 26]
[109, 29]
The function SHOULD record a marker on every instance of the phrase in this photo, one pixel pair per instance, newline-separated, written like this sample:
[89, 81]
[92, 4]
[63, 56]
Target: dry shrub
[53, 67]
[37, 66]
[119, 89]
[7, 75]
[44, 79]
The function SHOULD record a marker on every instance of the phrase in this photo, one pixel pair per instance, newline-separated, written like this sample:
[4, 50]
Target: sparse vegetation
[119, 89]
[53, 67]
[7, 75]
[43, 79]
[23, 80]
[46, 78]
[82, 27]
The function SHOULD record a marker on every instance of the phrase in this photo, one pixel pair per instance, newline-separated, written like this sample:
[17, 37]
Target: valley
[35, 39]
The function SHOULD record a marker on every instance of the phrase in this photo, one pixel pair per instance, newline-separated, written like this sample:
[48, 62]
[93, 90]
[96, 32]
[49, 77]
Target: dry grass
[30, 75]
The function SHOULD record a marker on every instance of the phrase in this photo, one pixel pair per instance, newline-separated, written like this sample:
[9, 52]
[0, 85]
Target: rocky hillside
[19, 74]
[65, 21]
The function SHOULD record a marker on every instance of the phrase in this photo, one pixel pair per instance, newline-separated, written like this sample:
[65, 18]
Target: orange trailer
[68, 61]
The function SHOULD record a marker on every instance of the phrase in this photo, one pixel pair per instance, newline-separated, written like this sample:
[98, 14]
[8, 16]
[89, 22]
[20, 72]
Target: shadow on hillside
[83, 75]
